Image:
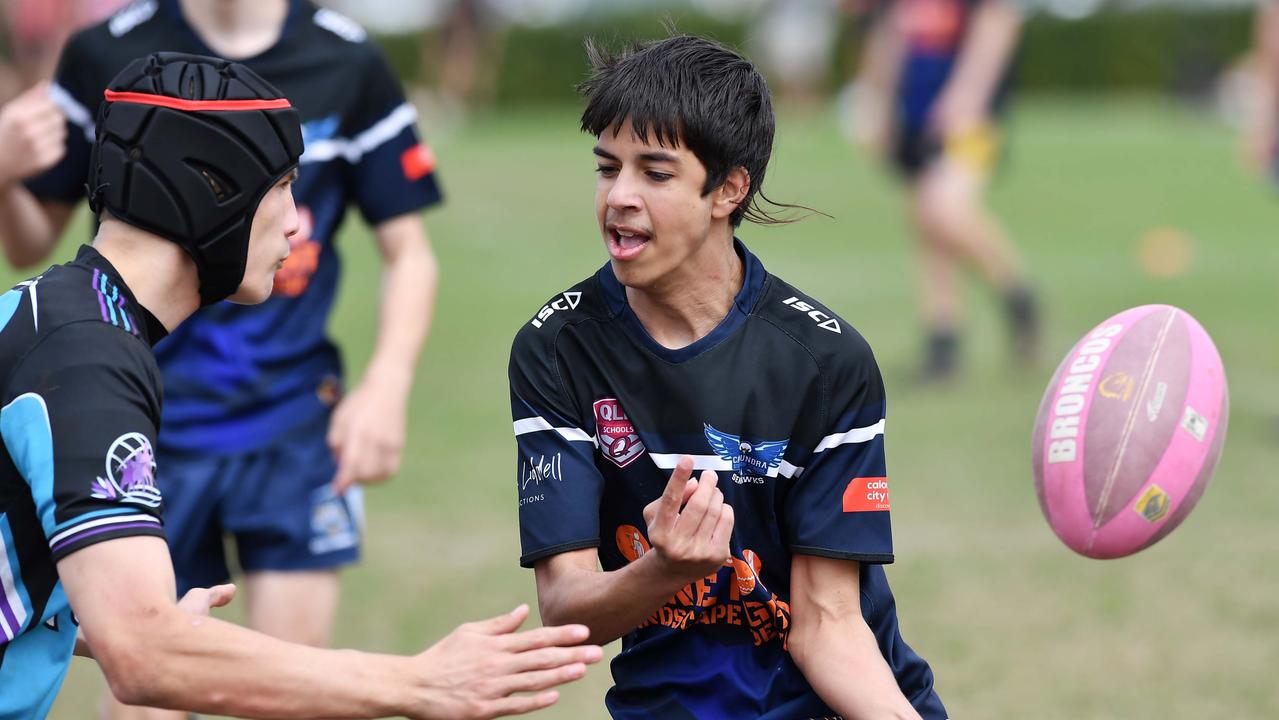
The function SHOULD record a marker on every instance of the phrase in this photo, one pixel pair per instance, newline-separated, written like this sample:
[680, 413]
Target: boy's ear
[726, 198]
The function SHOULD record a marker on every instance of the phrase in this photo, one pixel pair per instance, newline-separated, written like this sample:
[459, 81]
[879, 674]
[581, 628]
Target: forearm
[209, 666]
[407, 304]
[611, 603]
[26, 231]
[1266, 42]
[988, 47]
[840, 659]
[882, 59]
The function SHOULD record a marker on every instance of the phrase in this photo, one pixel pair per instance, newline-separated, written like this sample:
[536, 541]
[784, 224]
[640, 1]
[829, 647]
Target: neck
[687, 304]
[160, 274]
[236, 29]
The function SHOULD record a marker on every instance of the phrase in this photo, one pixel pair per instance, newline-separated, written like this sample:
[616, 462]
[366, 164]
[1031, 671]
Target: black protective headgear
[187, 146]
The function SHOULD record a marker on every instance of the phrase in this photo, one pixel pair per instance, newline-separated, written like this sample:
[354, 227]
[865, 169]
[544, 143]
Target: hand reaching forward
[476, 671]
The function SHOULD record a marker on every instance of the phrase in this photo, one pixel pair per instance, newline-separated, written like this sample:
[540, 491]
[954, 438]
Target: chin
[246, 295]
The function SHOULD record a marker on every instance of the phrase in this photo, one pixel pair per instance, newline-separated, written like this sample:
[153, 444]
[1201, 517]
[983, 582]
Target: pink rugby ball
[1129, 431]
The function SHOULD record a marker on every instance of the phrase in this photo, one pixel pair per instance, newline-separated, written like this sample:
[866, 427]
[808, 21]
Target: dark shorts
[914, 150]
[276, 503]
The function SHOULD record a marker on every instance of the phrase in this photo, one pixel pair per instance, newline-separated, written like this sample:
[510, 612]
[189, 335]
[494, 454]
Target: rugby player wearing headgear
[191, 177]
[756, 590]
[258, 440]
[941, 71]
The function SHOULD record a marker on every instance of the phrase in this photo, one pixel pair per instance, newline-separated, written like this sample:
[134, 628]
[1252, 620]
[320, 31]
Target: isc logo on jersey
[566, 301]
[824, 321]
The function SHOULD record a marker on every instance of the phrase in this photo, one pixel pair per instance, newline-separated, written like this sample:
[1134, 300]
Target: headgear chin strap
[187, 146]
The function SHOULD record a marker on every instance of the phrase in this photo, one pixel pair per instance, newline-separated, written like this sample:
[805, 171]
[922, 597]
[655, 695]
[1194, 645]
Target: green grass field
[1015, 625]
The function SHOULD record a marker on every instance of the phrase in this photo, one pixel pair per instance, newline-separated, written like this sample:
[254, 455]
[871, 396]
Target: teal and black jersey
[80, 393]
[784, 400]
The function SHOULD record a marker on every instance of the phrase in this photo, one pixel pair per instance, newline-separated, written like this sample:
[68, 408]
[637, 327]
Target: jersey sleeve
[838, 506]
[80, 427]
[76, 93]
[559, 486]
[393, 169]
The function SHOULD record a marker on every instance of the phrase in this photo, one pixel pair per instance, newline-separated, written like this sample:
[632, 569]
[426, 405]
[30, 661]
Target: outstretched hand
[477, 671]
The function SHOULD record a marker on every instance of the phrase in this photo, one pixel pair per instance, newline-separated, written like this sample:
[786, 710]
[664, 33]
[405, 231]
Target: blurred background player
[82, 544]
[259, 440]
[1261, 136]
[939, 70]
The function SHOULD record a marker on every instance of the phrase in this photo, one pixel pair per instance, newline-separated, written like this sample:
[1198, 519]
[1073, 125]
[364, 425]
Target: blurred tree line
[1157, 49]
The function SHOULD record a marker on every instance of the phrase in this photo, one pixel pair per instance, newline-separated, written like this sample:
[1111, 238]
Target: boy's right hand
[691, 542]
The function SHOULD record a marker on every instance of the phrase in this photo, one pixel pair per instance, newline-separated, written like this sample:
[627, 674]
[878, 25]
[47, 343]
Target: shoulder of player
[129, 23]
[341, 33]
[578, 303]
[829, 338]
[75, 303]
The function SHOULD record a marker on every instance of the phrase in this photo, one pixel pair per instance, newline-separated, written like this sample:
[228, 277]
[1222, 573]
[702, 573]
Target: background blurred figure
[1261, 133]
[468, 55]
[938, 71]
[37, 29]
[794, 40]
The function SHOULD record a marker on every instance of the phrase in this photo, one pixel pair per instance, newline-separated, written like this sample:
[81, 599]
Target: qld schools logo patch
[615, 433]
[130, 472]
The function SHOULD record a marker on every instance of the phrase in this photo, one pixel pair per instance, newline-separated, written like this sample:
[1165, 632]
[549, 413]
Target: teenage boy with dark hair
[191, 174]
[755, 590]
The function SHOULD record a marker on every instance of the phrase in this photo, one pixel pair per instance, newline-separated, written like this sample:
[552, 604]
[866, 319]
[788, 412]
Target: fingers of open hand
[498, 625]
[519, 704]
[549, 658]
[554, 636]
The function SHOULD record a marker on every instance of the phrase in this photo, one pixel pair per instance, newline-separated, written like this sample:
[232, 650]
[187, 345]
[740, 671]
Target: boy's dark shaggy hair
[690, 91]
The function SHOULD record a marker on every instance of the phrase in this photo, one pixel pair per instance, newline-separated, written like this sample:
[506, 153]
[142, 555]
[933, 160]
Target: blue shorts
[276, 503]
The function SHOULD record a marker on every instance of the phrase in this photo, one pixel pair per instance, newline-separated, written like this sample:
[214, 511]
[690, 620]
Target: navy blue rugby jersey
[81, 401]
[237, 377]
[784, 400]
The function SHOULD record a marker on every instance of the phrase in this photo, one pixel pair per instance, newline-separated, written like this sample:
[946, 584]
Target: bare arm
[834, 647]
[1262, 128]
[877, 80]
[32, 139]
[154, 653]
[988, 46]
[368, 428]
[687, 545]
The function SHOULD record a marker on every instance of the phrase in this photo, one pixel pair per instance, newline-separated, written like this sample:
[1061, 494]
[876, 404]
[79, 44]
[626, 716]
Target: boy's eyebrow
[652, 156]
[659, 156]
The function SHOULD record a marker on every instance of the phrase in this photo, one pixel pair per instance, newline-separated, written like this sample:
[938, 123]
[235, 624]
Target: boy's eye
[659, 176]
[606, 170]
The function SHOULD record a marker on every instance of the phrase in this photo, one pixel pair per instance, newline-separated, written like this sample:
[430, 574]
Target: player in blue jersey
[756, 589]
[259, 439]
[940, 71]
[192, 174]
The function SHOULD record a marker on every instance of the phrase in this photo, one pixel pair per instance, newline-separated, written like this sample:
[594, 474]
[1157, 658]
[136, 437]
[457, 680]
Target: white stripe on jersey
[539, 424]
[131, 17]
[113, 520]
[667, 461]
[75, 112]
[353, 149]
[856, 435]
[9, 595]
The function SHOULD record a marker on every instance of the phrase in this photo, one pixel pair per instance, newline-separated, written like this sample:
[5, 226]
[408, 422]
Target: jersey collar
[153, 330]
[754, 278]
